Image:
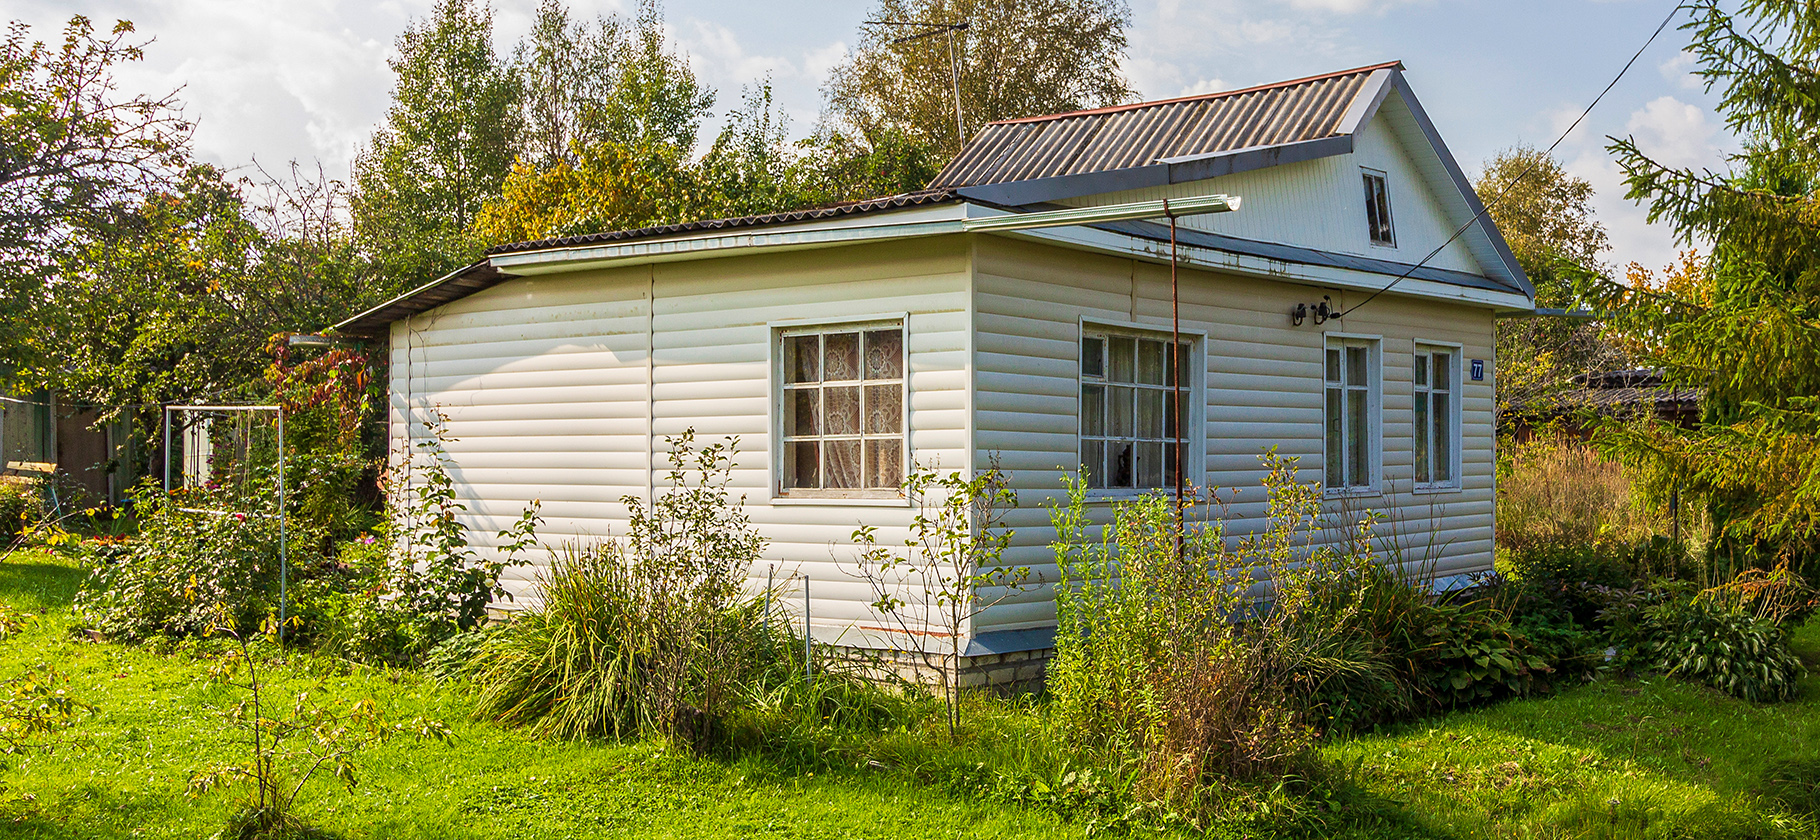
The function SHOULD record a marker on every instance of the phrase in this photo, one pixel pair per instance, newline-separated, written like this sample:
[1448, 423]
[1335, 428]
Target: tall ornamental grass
[647, 632]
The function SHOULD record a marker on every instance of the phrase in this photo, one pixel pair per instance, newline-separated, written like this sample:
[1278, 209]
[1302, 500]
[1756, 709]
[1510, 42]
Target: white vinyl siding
[1317, 204]
[1261, 387]
[563, 388]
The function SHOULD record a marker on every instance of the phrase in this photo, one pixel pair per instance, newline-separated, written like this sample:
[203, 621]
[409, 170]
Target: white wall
[1263, 387]
[1320, 204]
[544, 381]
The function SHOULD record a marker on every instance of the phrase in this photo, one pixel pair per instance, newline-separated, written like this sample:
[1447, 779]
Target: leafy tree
[567, 69]
[72, 151]
[1549, 223]
[1017, 58]
[445, 148]
[1744, 323]
[631, 157]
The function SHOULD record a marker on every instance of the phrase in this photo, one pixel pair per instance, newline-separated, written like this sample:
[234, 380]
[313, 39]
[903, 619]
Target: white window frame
[1374, 411]
[1390, 217]
[1419, 391]
[776, 388]
[1194, 437]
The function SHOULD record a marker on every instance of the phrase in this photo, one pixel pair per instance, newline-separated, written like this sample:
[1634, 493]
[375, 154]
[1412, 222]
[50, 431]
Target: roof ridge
[1112, 109]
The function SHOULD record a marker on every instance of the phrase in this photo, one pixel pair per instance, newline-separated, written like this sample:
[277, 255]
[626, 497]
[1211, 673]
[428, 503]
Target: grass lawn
[1613, 759]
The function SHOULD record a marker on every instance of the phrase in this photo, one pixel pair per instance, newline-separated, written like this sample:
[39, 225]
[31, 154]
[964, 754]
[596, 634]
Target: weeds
[931, 587]
[289, 748]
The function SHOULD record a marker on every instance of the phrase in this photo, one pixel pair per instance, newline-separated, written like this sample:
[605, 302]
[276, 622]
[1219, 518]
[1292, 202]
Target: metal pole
[960, 131]
[770, 575]
[167, 450]
[283, 556]
[808, 663]
[1175, 350]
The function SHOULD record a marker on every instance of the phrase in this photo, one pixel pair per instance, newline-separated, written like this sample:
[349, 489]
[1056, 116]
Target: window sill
[1103, 495]
[893, 501]
[1436, 490]
[1352, 493]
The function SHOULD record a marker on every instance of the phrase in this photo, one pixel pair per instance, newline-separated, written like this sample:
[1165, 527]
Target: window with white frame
[1377, 209]
[1129, 413]
[1437, 415]
[1351, 402]
[843, 410]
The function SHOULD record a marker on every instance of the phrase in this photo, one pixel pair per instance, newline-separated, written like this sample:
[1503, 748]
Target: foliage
[407, 587]
[72, 149]
[290, 747]
[1739, 323]
[35, 704]
[327, 401]
[210, 268]
[619, 149]
[1743, 655]
[19, 508]
[955, 549]
[1163, 655]
[446, 145]
[1554, 489]
[646, 632]
[1017, 58]
[193, 565]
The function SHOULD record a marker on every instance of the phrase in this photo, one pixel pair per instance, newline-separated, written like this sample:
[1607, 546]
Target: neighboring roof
[1619, 392]
[481, 275]
[1130, 136]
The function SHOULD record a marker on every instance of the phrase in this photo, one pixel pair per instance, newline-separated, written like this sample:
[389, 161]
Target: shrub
[187, 570]
[1737, 652]
[645, 632]
[1162, 654]
[18, 507]
[1554, 489]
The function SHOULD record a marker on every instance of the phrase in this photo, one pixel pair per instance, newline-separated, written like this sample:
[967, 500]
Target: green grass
[123, 771]
[1653, 758]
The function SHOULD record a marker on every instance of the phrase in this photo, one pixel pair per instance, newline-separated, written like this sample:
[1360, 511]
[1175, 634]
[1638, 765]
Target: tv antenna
[960, 131]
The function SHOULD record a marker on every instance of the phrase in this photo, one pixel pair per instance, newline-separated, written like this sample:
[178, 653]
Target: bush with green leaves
[646, 632]
[1739, 653]
[396, 593]
[1167, 656]
[191, 564]
[19, 505]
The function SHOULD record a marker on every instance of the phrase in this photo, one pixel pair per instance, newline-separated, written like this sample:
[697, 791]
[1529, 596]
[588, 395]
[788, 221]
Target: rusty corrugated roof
[1128, 136]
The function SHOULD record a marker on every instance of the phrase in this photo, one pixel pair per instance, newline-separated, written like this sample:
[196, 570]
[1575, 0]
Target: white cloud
[1679, 71]
[1670, 131]
[1346, 7]
[723, 61]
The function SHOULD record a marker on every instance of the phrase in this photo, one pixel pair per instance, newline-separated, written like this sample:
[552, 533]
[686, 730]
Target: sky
[306, 80]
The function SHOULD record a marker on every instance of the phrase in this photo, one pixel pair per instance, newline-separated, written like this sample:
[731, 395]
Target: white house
[843, 343]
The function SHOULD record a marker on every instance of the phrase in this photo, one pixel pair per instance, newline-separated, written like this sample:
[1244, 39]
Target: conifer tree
[1743, 322]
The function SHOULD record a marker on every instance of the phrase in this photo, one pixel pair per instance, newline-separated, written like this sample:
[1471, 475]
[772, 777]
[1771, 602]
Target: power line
[1525, 173]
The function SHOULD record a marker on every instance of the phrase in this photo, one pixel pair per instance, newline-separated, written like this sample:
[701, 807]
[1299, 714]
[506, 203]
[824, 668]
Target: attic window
[1377, 209]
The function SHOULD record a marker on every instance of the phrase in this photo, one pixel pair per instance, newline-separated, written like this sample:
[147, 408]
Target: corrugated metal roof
[482, 275]
[890, 202]
[1129, 136]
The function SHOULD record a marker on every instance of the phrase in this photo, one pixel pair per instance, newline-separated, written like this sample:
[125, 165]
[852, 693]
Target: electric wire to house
[1523, 174]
